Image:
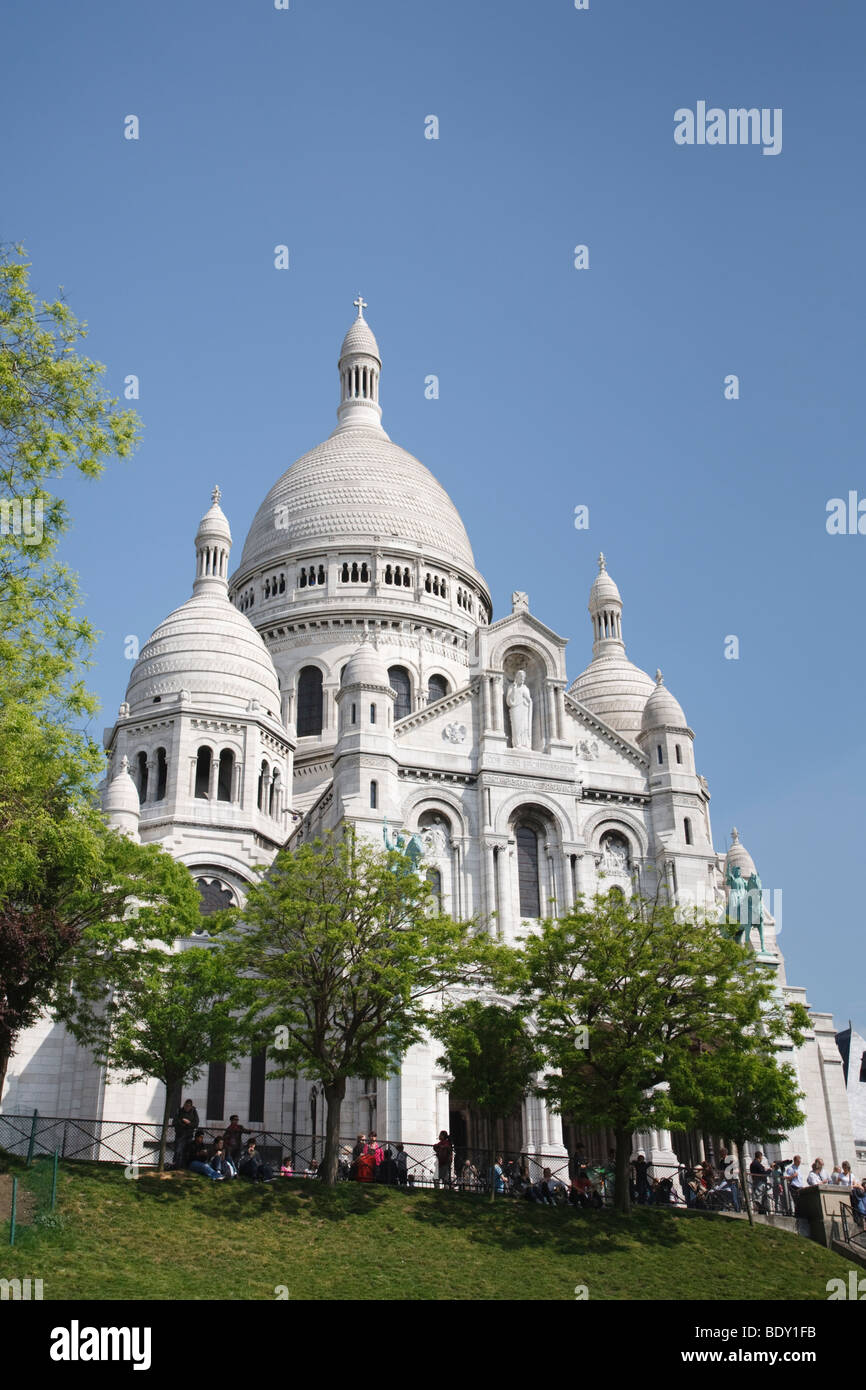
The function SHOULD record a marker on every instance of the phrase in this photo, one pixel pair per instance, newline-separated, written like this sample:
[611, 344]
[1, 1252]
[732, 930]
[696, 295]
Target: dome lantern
[360, 366]
[213, 543]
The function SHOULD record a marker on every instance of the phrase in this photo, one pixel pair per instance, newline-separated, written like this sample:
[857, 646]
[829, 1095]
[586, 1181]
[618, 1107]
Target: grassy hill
[186, 1238]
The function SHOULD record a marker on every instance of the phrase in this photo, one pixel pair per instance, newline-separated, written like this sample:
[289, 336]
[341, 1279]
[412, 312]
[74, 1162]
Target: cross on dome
[659, 680]
[360, 304]
[216, 494]
[602, 563]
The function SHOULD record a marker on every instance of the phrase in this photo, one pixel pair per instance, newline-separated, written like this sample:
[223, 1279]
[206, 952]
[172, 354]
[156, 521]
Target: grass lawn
[187, 1238]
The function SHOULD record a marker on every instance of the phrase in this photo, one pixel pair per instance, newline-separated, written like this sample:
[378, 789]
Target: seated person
[550, 1190]
[198, 1159]
[287, 1171]
[220, 1161]
[253, 1167]
[581, 1189]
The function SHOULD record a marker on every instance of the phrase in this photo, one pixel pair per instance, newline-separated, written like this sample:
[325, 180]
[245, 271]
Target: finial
[659, 680]
[124, 764]
[602, 563]
[360, 304]
[216, 494]
[735, 835]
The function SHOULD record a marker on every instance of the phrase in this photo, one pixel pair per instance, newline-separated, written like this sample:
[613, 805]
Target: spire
[213, 543]
[360, 366]
[605, 607]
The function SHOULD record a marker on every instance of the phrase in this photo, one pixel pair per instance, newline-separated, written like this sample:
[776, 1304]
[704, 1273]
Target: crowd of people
[703, 1186]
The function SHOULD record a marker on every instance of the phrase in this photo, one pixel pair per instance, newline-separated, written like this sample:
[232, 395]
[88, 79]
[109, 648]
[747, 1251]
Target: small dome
[366, 667]
[740, 856]
[214, 525]
[615, 690]
[662, 710]
[210, 649]
[121, 794]
[360, 338]
[604, 589]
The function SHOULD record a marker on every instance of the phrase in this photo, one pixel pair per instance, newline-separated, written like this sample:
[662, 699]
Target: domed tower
[679, 799]
[120, 802]
[199, 730]
[365, 762]
[358, 536]
[611, 687]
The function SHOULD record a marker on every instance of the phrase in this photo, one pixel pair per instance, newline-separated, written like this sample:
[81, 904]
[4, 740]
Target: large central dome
[357, 486]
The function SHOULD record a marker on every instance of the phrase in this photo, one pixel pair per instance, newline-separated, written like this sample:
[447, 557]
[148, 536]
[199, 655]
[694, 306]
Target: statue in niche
[411, 849]
[755, 908]
[737, 902]
[519, 703]
[614, 858]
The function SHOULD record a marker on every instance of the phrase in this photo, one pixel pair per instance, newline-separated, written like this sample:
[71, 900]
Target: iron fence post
[54, 1179]
[32, 1144]
[12, 1213]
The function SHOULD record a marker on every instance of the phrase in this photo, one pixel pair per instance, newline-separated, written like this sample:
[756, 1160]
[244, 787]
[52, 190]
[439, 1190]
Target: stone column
[496, 723]
[238, 783]
[485, 702]
[214, 777]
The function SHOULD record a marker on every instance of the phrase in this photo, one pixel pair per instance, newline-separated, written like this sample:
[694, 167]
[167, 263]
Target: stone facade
[350, 669]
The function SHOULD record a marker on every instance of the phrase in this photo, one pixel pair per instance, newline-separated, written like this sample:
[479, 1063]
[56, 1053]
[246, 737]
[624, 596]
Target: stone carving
[435, 840]
[588, 750]
[614, 854]
[519, 703]
[755, 907]
[519, 602]
[454, 733]
[737, 901]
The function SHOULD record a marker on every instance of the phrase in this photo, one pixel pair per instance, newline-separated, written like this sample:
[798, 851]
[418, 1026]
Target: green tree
[346, 952]
[86, 922]
[169, 1016]
[54, 852]
[491, 1056]
[742, 1092]
[622, 991]
[54, 416]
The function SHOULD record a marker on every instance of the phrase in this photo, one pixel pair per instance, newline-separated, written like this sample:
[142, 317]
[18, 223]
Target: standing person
[387, 1170]
[499, 1176]
[402, 1165]
[759, 1175]
[375, 1148]
[845, 1178]
[794, 1181]
[233, 1137]
[359, 1147]
[185, 1126]
[641, 1179]
[817, 1177]
[444, 1151]
[728, 1173]
[365, 1165]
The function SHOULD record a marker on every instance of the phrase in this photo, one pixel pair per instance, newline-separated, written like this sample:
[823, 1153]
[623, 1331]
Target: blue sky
[558, 387]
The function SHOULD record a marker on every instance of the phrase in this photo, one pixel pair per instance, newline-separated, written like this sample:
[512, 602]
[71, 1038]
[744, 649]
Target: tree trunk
[622, 1194]
[160, 1167]
[747, 1196]
[334, 1095]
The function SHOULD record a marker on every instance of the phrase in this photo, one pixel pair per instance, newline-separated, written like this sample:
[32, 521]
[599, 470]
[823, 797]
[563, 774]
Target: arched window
[687, 826]
[310, 702]
[401, 682]
[141, 776]
[225, 775]
[659, 751]
[344, 573]
[202, 773]
[263, 782]
[527, 871]
[161, 774]
[374, 796]
[437, 688]
[372, 714]
[679, 754]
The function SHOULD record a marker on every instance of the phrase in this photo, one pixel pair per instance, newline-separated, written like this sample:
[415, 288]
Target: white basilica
[350, 669]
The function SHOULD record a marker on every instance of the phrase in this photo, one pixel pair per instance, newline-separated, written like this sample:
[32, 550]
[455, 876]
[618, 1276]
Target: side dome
[740, 856]
[366, 667]
[662, 710]
[207, 647]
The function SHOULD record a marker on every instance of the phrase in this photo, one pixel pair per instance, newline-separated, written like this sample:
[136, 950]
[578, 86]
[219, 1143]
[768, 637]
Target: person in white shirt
[836, 1177]
[817, 1176]
[846, 1177]
[793, 1175]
